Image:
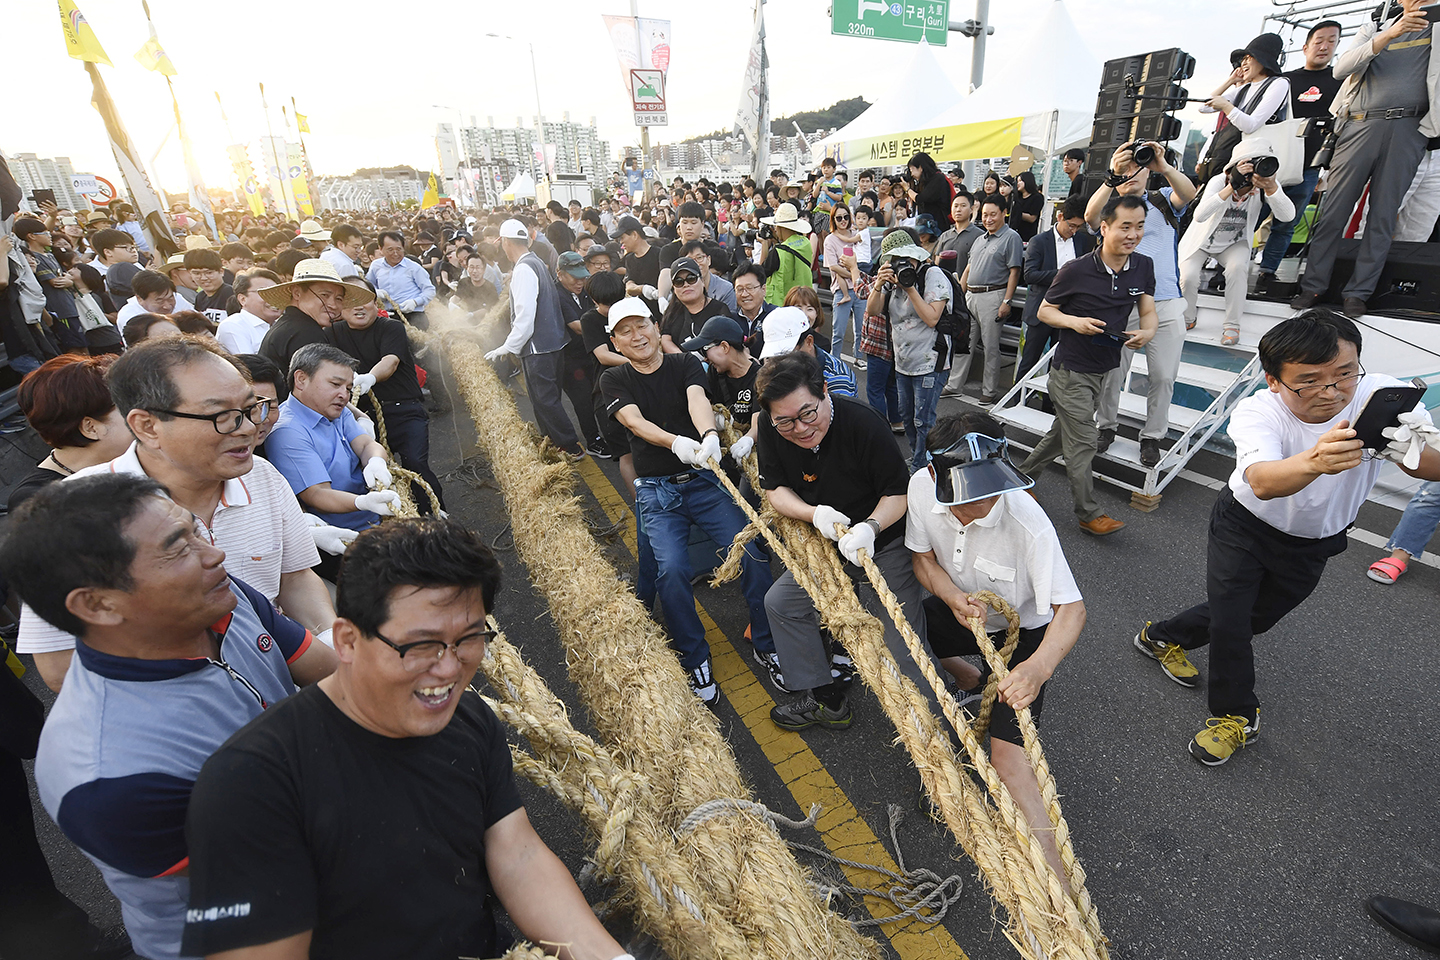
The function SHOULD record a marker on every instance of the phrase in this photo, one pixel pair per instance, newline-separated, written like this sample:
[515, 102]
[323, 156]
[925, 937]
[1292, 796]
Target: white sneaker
[702, 683]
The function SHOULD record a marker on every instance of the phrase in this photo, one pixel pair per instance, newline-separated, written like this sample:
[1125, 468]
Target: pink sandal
[1386, 570]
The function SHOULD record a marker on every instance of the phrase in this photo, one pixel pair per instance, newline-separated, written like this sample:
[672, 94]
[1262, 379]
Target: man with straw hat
[311, 302]
[783, 250]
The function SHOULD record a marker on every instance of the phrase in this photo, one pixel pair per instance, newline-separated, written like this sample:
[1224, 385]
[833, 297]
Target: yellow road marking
[844, 831]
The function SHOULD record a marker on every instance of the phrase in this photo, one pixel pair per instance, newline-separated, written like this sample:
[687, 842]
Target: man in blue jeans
[660, 398]
[1312, 90]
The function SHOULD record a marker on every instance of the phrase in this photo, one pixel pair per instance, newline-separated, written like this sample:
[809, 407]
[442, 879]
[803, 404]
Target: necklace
[56, 460]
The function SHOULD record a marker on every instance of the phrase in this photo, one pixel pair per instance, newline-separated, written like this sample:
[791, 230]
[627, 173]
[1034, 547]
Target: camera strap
[794, 253]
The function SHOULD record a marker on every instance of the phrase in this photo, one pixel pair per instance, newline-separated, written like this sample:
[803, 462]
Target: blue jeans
[24, 363]
[840, 316]
[668, 509]
[1417, 524]
[918, 397]
[1280, 233]
[880, 388]
[645, 573]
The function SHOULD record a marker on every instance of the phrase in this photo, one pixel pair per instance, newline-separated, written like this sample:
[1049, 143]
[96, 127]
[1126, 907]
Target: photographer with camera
[784, 251]
[1260, 96]
[1387, 108]
[1312, 91]
[1130, 169]
[1225, 221]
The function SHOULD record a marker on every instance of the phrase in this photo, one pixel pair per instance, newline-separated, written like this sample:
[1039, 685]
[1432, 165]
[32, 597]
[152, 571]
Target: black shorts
[950, 638]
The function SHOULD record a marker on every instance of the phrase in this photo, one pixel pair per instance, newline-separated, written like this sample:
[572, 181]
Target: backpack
[954, 321]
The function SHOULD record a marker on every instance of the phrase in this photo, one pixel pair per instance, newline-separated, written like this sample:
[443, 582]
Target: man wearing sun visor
[970, 527]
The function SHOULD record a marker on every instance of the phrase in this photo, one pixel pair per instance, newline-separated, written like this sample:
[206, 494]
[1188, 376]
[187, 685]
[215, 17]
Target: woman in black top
[930, 189]
[67, 403]
[989, 189]
[1026, 206]
[690, 306]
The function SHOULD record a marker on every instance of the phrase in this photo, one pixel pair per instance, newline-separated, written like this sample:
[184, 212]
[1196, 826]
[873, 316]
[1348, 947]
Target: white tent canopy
[522, 186]
[914, 98]
[1051, 82]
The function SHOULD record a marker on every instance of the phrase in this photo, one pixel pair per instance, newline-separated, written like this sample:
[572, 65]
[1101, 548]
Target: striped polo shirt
[126, 739]
[258, 523]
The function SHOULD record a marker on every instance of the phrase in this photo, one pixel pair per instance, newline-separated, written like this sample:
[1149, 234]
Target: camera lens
[1266, 166]
[1144, 154]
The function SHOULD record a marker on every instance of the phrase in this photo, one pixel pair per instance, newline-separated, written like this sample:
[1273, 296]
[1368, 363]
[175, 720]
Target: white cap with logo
[782, 329]
[624, 309]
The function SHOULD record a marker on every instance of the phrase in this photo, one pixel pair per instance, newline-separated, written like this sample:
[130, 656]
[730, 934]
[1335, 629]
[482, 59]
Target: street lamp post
[536, 170]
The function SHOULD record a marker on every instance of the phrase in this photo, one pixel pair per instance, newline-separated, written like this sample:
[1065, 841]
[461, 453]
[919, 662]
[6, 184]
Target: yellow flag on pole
[152, 56]
[80, 41]
[302, 123]
[432, 194]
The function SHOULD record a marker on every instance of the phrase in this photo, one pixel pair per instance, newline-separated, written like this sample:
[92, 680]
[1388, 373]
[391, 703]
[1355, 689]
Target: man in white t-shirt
[971, 528]
[1300, 478]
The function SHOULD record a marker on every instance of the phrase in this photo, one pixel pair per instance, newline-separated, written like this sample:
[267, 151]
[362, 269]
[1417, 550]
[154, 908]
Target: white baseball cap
[782, 329]
[624, 309]
[514, 230]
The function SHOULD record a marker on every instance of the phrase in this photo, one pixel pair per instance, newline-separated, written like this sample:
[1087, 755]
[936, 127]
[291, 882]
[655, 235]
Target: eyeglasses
[421, 656]
[226, 421]
[1315, 389]
[806, 415]
[685, 280]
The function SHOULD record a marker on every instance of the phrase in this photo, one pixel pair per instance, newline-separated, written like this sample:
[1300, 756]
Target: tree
[836, 115]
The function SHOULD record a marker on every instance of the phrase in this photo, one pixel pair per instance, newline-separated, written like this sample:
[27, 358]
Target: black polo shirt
[373, 344]
[293, 330]
[661, 398]
[1085, 287]
[856, 464]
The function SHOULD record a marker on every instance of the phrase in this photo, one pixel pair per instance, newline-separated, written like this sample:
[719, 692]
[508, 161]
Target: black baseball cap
[716, 330]
[627, 225]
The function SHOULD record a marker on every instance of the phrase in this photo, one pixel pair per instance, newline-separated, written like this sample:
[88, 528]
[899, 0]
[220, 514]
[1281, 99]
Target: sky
[374, 80]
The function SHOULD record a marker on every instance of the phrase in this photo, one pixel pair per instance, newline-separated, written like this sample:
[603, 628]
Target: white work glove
[497, 353]
[361, 386]
[326, 637]
[330, 538]
[409, 306]
[721, 421]
[709, 450]
[382, 502]
[377, 474]
[381, 295]
[826, 518]
[860, 537]
[366, 425]
[1409, 440]
[741, 448]
[687, 450]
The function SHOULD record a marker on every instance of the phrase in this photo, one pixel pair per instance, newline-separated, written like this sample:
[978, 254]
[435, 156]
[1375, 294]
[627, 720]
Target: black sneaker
[599, 449]
[1262, 283]
[771, 662]
[842, 668]
[1107, 437]
[807, 712]
[702, 683]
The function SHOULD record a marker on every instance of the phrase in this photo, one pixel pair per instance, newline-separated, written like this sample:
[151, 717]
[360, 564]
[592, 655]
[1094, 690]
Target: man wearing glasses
[336, 469]
[195, 417]
[174, 656]
[375, 814]
[1300, 478]
[830, 461]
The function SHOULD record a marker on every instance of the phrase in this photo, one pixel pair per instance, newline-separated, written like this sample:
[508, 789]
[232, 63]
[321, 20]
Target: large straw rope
[637, 696]
[1045, 920]
[402, 477]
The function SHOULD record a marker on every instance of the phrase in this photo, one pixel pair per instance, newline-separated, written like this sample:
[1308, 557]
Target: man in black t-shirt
[1312, 91]
[1090, 300]
[313, 301]
[731, 375]
[212, 293]
[690, 226]
[374, 816]
[387, 370]
[641, 264]
[578, 373]
[660, 398]
[829, 461]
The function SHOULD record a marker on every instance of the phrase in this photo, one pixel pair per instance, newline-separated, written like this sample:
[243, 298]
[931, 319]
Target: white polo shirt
[241, 333]
[1012, 551]
[258, 523]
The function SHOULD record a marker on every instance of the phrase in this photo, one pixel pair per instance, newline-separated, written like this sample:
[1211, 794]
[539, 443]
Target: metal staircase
[1211, 381]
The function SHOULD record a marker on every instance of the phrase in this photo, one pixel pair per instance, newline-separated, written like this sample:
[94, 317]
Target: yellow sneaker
[1170, 656]
[1223, 737]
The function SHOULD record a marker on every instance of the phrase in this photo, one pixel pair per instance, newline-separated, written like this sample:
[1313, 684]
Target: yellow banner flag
[302, 123]
[80, 41]
[432, 194]
[152, 56]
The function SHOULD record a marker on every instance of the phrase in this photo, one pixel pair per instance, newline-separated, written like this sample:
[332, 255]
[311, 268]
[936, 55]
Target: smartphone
[1383, 410]
[1431, 12]
[42, 196]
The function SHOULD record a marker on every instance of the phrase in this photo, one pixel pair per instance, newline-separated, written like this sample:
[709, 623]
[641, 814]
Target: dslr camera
[908, 274]
[766, 232]
[1142, 153]
[1266, 166]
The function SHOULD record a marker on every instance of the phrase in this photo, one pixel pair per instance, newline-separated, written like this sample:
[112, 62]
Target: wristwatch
[874, 524]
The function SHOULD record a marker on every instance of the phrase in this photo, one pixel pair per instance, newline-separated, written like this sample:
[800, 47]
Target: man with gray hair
[337, 470]
[538, 337]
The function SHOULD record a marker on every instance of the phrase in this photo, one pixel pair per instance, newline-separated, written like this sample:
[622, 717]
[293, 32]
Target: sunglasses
[684, 280]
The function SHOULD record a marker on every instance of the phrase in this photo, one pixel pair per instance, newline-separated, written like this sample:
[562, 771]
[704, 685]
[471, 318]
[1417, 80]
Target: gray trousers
[796, 628]
[1074, 434]
[984, 332]
[1385, 154]
[542, 382]
[1162, 360]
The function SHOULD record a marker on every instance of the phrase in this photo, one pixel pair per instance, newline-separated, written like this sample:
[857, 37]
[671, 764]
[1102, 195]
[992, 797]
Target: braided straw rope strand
[403, 478]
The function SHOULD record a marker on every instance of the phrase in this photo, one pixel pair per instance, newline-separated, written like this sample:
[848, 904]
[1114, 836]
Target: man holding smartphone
[1301, 475]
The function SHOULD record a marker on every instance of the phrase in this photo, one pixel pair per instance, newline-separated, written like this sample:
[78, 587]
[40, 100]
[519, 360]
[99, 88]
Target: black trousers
[407, 427]
[1038, 338]
[579, 386]
[544, 372]
[950, 638]
[1254, 576]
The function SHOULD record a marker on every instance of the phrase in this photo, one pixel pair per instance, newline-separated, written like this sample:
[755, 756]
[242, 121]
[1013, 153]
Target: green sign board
[908, 21]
